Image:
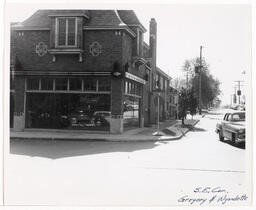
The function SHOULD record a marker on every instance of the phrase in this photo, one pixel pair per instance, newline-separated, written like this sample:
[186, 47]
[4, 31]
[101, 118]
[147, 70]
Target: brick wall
[111, 51]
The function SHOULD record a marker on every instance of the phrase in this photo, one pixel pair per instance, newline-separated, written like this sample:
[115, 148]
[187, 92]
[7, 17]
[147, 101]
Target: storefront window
[61, 84]
[90, 84]
[33, 83]
[126, 87]
[103, 84]
[46, 84]
[75, 84]
[133, 88]
[131, 111]
[68, 111]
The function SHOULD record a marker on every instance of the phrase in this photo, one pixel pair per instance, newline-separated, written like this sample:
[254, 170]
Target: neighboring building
[84, 69]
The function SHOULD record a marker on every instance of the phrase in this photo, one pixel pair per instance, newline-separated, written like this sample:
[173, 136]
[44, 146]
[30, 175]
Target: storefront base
[116, 125]
[18, 123]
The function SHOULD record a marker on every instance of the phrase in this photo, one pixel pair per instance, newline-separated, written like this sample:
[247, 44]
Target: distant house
[84, 69]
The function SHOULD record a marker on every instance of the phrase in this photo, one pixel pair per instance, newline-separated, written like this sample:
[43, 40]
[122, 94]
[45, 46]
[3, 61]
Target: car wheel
[221, 137]
[98, 123]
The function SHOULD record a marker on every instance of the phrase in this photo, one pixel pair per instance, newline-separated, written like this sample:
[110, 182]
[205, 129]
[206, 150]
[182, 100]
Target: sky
[223, 31]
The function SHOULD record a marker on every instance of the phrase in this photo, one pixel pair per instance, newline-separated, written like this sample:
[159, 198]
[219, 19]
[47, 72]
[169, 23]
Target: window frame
[66, 33]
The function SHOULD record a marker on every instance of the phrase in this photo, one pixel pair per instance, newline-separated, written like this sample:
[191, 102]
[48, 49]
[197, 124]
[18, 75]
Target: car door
[228, 127]
[224, 125]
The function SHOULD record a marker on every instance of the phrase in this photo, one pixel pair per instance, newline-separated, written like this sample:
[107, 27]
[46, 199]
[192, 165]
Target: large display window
[68, 102]
[68, 111]
[132, 98]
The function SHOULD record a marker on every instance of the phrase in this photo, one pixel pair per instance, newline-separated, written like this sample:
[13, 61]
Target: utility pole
[239, 90]
[200, 78]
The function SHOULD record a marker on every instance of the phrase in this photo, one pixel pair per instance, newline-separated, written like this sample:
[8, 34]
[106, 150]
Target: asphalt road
[125, 173]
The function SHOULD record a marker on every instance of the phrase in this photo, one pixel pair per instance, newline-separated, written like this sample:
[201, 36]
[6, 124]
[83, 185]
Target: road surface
[125, 173]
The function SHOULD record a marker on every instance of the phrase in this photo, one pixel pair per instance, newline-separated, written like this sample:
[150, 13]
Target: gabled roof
[163, 73]
[130, 18]
[95, 18]
[104, 18]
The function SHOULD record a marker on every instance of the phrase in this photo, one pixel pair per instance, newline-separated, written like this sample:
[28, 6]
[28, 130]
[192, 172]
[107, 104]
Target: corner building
[84, 70]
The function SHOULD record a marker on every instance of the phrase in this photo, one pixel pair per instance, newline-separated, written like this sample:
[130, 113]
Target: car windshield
[238, 116]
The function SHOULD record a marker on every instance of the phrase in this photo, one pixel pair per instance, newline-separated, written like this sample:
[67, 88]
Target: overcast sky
[223, 31]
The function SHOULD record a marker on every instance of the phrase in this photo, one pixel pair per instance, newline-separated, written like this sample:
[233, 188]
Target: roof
[130, 18]
[163, 73]
[122, 19]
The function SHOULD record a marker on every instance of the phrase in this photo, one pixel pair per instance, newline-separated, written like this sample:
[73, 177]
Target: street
[123, 173]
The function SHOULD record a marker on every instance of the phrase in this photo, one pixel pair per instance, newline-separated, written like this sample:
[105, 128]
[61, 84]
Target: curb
[180, 136]
[116, 139]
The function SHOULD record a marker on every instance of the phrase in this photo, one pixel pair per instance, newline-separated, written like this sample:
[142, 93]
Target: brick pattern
[111, 52]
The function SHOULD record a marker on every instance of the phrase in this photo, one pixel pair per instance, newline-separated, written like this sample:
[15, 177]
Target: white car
[232, 127]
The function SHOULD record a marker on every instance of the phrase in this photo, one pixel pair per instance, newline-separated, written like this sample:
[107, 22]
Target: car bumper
[240, 140]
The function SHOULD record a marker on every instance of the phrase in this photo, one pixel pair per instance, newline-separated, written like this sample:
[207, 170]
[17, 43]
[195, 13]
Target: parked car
[101, 118]
[232, 127]
[79, 116]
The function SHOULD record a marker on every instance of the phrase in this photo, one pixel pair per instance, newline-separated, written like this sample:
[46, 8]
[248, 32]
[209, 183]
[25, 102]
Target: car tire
[221, 137]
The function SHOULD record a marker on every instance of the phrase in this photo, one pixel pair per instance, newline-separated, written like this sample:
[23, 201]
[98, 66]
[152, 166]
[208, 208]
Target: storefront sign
[135, 78]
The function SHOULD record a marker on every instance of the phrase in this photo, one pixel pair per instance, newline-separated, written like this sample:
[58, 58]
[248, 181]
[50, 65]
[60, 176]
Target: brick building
[84, 69]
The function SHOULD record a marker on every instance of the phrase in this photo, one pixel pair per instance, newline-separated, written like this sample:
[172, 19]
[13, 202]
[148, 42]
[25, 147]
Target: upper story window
[66, 32]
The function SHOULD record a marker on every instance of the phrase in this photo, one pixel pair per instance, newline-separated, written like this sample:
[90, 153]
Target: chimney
[152, 42]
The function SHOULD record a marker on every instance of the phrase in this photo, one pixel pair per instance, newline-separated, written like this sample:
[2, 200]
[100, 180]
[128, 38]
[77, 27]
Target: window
[90, 84]
[157, 81]
[229, 117]
[133, 88]
[46, 84]
[61, 84]
[33, 83]
[162, 83]
[66, 32]
[103, 84]
[75, 84]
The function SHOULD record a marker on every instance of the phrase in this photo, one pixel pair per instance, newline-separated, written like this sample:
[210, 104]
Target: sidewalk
[171, 130]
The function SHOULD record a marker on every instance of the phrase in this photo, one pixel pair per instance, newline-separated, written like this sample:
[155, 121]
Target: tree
[187, 67]
[192, 102]
[183, 104]
[209, 84]
[178, 83]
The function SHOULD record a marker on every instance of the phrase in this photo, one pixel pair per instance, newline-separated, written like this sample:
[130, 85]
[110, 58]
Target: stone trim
[55, 73]
[109, 28]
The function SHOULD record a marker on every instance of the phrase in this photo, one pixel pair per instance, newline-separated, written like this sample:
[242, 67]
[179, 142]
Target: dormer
[66, 32]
